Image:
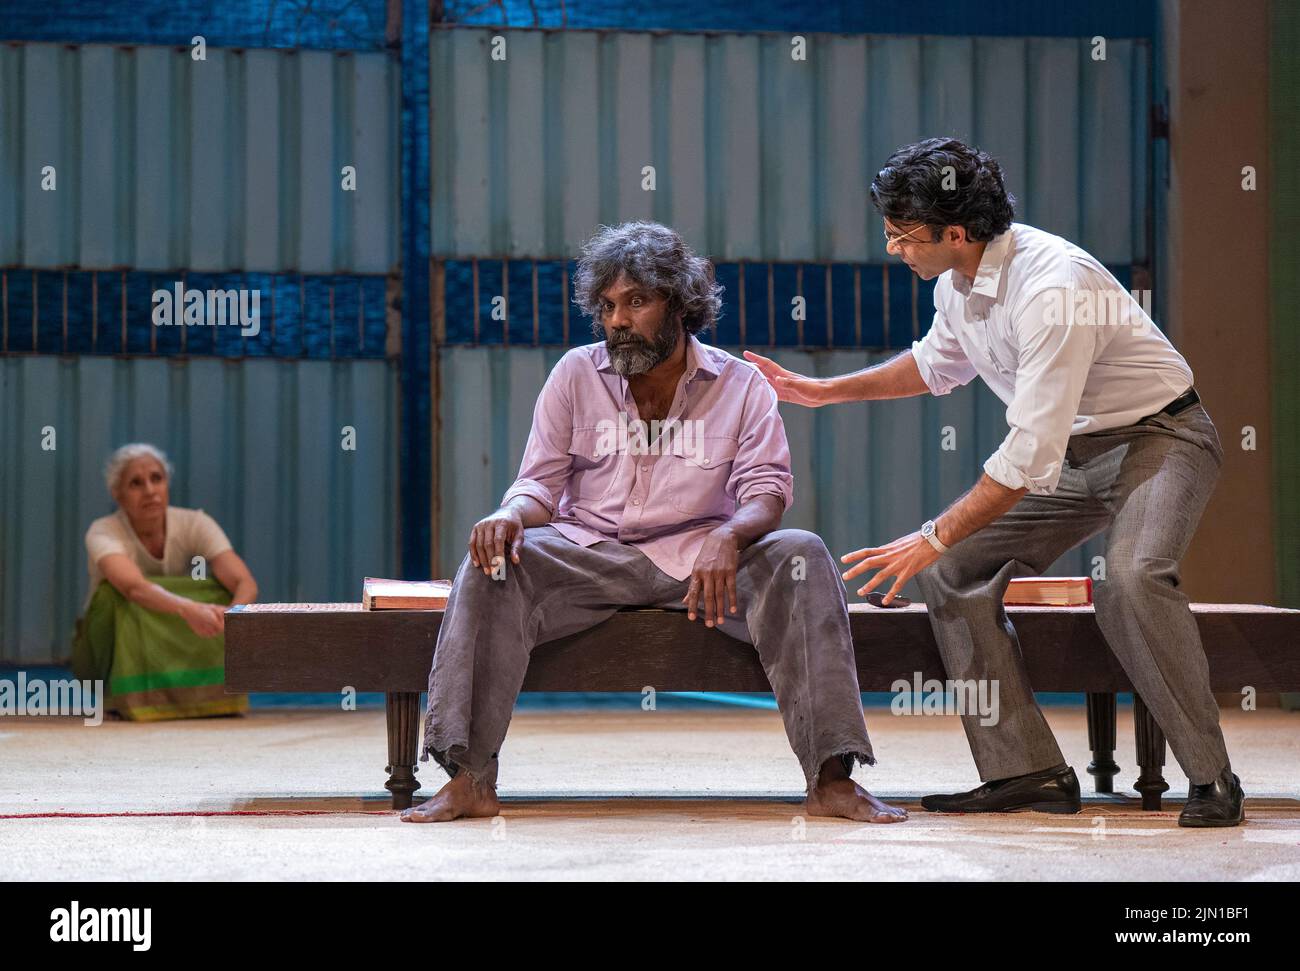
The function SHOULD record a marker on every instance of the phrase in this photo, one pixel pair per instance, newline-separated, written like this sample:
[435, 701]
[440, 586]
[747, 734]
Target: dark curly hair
[910, 188]
[656, 258]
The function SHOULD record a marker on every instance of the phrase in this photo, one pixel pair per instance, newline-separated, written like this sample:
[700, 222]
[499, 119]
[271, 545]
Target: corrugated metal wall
[256, 443]
[229, 163]
[761, 157]
[864, 473]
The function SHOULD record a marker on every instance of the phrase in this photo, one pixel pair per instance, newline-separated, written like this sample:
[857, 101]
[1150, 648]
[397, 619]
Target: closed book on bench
[377, 594]
[1049, 592]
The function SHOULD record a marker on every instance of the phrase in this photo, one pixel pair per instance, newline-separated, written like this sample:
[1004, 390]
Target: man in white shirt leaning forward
[1106, 432]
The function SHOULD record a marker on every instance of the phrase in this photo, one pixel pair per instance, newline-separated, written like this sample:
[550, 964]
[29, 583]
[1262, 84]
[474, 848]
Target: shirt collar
[698, 359]
[989, 274]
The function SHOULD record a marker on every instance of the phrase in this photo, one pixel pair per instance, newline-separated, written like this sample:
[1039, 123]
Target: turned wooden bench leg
[1150, 756]
[403, 715]
[1101, 739]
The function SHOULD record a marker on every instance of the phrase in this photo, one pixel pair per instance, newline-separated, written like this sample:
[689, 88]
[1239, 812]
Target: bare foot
[835, 794]
[847, 799]
[460, 798]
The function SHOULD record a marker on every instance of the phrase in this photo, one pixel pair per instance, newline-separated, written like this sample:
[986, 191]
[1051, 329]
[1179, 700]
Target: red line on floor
[229, 812]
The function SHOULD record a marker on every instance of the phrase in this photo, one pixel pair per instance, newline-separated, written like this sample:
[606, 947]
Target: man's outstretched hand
[795, 388]
[904, 558]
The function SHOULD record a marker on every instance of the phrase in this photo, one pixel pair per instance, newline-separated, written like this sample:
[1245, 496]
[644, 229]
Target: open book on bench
[379, 594]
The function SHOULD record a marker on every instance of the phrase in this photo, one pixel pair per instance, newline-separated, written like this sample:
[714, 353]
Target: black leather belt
[1182, 402]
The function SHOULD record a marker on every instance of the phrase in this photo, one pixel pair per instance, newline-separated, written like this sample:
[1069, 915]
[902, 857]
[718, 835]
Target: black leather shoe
[1218, 803]
[1051, 791]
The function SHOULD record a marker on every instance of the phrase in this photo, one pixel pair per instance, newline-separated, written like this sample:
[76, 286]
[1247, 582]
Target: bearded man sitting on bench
[655, 475]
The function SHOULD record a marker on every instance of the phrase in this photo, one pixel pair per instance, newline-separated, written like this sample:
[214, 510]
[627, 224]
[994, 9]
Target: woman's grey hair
[656, 258]
[124, 456]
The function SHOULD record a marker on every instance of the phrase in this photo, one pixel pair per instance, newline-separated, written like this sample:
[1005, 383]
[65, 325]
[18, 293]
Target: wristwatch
[927, 530]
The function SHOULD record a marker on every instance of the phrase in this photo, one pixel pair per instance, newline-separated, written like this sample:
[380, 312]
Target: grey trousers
[1148, 483]
[795, 616]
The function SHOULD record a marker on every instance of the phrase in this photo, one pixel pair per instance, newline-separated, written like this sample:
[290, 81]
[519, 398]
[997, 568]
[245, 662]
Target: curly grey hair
[658, 259]
[124, 456]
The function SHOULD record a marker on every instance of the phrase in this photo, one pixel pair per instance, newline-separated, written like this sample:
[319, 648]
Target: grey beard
[634, 357]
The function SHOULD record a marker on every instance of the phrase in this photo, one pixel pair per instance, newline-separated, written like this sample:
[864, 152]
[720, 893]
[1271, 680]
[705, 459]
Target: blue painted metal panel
[864, 473]
[229, 163]
[758, 156]
[325, 24]
[418, 430]
[255, 443]
[359, 24]
[102, 312]
[1110, 18]
[867, 306]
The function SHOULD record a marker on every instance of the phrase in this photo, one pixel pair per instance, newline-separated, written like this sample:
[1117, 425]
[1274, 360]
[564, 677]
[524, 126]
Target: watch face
[928, 529]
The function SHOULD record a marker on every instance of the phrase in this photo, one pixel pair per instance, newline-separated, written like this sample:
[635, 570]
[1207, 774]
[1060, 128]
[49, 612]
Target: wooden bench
[330, 647]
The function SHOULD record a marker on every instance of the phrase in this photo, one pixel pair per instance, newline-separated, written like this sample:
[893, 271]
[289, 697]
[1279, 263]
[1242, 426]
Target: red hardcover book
[377, 594]
[1049, 592]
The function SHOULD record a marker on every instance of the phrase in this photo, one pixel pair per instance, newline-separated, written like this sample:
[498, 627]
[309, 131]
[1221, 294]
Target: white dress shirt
[1058, 339]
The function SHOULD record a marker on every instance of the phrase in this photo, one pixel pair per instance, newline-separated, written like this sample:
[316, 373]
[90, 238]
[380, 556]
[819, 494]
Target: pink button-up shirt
[601, 478]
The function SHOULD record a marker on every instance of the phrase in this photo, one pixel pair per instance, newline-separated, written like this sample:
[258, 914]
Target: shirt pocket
[1002, 345]
[697, 481]
[593, 464]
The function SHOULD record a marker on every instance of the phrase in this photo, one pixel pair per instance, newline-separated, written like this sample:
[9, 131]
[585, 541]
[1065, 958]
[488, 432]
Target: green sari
[152, 665]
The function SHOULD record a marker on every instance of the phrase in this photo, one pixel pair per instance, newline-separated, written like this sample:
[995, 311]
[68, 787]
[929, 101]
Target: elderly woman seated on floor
[161, 578]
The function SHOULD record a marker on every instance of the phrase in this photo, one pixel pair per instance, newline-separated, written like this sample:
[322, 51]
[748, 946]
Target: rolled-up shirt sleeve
[547, 464]
[762, 462]
[1055, 356]
[940, 359]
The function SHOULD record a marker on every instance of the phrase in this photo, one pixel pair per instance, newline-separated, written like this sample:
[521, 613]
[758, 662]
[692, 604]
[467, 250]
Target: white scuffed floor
[716, 797]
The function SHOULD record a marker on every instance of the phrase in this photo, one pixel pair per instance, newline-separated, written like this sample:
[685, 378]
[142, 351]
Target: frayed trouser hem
[849, 754]
[447, 759]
